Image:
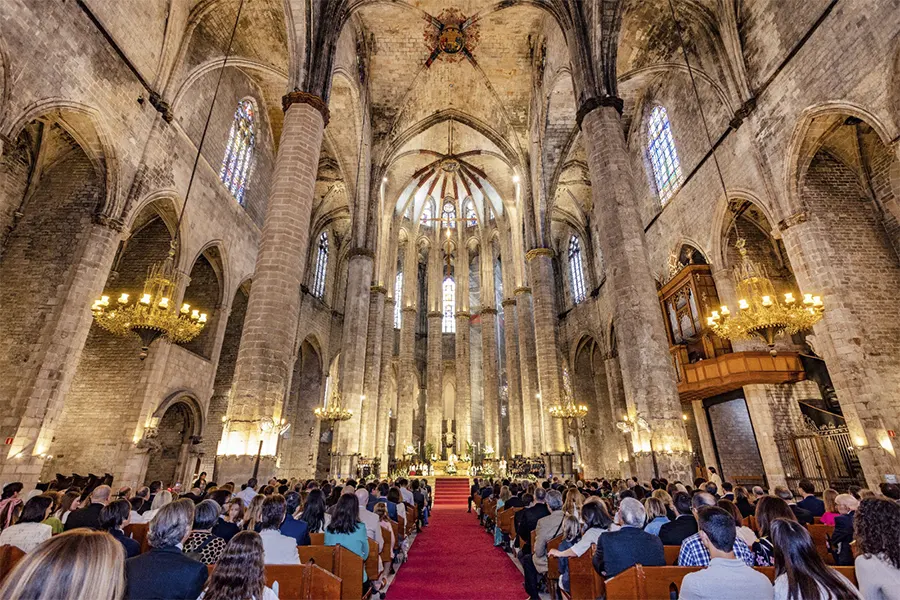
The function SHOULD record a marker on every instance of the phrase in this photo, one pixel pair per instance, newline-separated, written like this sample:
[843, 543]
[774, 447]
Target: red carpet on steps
[454, 558]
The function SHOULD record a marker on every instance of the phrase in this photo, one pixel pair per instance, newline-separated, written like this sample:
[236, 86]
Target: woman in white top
[800, 573]
[28, 533]
[877, 526]
[596, 522]
[162, 498]
[240, 572]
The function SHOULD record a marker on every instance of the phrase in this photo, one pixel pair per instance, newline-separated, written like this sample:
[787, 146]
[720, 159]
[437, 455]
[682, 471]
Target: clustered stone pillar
[491, 378]
[374, 338]
[434, 412]
[513, 378]
[619, 407]
[463, 383]
[540, 266]
[531, 411]
[648, 378]
[407, 400]
[384, 399]
[265, 358]
[353, 357]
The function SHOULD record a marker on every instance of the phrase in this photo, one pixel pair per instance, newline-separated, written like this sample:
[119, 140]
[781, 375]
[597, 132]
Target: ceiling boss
[450, 34]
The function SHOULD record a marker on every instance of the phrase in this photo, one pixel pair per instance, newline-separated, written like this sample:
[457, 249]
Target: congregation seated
[348, 531]
[240, 571]
[683, 526]
[630, 545]
[165, 572]
[113, 520]
[314, 514]
[548, 527]
[809, 502]
[382, 496]
[203, 544]
[596, 521]
[743, 502]
[29, 531]
[768, 509]
[279, 549]
[656, 515]
[369, 519]
[694, 553]
[89, 516]
[800, 571]
[877, 527]
[527, 519]
[803, 516]
[292, 526]
[161, 499]
[68, 501]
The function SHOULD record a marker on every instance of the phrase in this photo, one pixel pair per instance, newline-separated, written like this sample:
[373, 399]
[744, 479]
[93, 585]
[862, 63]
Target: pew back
[139, 532]
[301, 582]
[9, 558]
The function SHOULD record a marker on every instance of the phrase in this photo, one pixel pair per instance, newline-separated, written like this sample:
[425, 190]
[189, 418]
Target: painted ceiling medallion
[452, 35]
[449, 165]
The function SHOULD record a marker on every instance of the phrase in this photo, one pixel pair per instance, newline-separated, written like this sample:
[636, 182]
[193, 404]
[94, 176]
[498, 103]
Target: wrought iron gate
[823, 454]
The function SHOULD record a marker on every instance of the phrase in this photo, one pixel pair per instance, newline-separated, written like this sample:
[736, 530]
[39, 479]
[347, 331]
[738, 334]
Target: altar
[462, 468]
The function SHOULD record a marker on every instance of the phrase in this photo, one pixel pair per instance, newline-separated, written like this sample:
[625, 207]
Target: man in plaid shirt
[693, 553]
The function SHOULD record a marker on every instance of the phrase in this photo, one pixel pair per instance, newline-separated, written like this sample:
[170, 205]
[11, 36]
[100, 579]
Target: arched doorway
[178, 431]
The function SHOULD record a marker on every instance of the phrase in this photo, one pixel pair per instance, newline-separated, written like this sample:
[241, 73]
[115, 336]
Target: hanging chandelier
[154, 314]
[568, 409]
[333, 411]
[761, 313]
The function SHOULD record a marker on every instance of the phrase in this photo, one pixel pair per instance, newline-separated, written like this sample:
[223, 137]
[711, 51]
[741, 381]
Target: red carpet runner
[454, 558]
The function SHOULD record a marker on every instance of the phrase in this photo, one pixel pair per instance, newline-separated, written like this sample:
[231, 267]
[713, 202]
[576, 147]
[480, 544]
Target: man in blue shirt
[292, 527]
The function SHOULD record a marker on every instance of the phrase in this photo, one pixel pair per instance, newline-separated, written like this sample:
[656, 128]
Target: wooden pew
[9, 558]
[349, 567]
[395, 526]
[476, 500]
[139, 532]
[301, 582]
[412, 516]
[317, 539]
[372, 561]
[751, 523]
[506, 520]
[387, 553]
[821, 535]
[318, 555]
[553, 567]
[584, 582]
[672, 553]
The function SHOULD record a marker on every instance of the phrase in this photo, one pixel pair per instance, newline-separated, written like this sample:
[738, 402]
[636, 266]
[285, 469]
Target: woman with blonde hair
[573, 503]
[76, 565]
[253, 514]
[667, 502]
[162, 498]
[656, 514]
[829, 497]
[502, 499]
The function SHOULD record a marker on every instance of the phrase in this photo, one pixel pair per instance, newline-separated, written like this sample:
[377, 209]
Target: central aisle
[454, 558]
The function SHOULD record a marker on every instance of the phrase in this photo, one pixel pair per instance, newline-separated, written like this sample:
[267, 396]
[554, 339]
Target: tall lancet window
[471, 215]
[318, 288]
[427, 214]
[663, 157]
[576, 270]
[448, 214]
[239, 152]
[448, 323]
[398, 299]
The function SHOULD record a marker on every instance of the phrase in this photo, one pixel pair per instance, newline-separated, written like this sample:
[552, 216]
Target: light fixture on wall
[154, 313]
[761, 312]
[333, 411]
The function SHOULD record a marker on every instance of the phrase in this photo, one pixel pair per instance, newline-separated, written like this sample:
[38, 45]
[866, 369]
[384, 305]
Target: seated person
[842, 536]
[803, 516]
[694, 552]
[165, 572]
[684, 525]
[203, 544]
[809, 501]
[348, 531]
[596, 522]
[279, 549]
[630, 545]
[293, 527]
[878, 564]
[113, 519]
[727, 577]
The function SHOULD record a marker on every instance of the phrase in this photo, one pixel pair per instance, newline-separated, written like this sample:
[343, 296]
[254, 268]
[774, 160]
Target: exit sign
[891, 433]
[9, 441]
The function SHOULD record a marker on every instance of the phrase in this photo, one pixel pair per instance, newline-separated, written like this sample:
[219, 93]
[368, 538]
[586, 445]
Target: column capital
[354, 252]
[378, 289]
[522, 290]
[409, 309]
[593, 103]
[298, 97]
[535, 252]
[508, 302]
[434, 314]
[389, 300]
[488, 311]
[795, 219]
[463, 314]
[104, 220]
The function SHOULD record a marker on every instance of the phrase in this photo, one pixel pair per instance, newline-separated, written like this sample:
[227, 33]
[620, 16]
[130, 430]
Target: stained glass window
[448, 214]
[663, 156]
[318, 288]
[239, 152]
[427, 214]
[471, 215]
[448, 323]
[576, 270]
[398, 299]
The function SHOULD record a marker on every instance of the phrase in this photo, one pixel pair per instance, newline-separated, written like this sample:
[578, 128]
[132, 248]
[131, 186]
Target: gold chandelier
[334, 411]
[568, 409]
[760, 311]
[153, 314]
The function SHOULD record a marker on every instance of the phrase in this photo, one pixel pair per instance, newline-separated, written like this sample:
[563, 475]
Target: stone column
[704, 433]
[491, 378]
[384, 400]
[619, 407]
[353, 354]
[372, 380]
[47, 375]
[531, 412]
[434, 411]
[408, 388]
[513, 378]
[264, 362]
[865, 389]
[463, 383]
[647, 371]
[540, 266]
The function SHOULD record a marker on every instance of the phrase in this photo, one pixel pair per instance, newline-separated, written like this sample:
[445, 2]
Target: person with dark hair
[314, 514]
[877, 526]
[743, 502]
[28, 532]
[728, 491]
[382, 496]
[248, 493]
[240, 572]
[113, 519]
[474, 489]
[394, 496]
[809, 501]
[152, 490]
[712, 476]
[727, 577]
[89, 516]
[800, 573]
[803, 516]
[526, 520]
[596, 522]
[630, 545]
[768, 509]
[231, 519]
[280, 549]
[293, 527]
[743, 532]
[693, 551]
[684, 525]
[712, 489]
[10, 503]
[203, 544]
[348, 531]
[890, 491]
